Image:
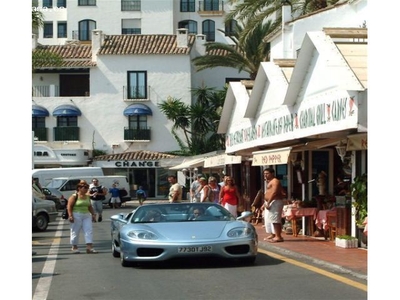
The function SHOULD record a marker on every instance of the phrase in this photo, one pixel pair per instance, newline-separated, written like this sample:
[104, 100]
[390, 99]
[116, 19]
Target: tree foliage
[198, 122]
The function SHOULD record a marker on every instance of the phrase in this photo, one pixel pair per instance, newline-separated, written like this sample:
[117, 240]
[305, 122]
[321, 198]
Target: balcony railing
[137, 134]
[139, 93]
[211, 6]
[130, 5]
[46, 91]
[66, 133]
[40, 134]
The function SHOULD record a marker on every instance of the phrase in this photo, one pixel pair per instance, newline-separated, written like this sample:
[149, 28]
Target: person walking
[97, 195]
[81, 216]
[175, 191]
[274, 195]
[115, 196]
[215, 189]
[141, 195]
[194, 194]
[204, 190]
[229, 195]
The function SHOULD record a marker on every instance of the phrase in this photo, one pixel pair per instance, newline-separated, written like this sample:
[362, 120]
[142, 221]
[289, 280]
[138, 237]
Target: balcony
[66, 134]
[127, 5]
[211, 8]
[136, 94]
[137, 134]
[46, 91]
[40, 134]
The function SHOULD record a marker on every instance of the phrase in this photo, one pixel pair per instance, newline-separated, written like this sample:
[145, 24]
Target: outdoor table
[322, 218]
[293, 213]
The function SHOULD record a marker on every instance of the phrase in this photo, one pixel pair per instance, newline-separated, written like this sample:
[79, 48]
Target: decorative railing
[40, 134]
[137, 134]
[211, 5]
[66, 133]
[137, 93]
[130, 5]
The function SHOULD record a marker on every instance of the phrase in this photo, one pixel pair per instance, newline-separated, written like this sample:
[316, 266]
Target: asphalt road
[58, 274]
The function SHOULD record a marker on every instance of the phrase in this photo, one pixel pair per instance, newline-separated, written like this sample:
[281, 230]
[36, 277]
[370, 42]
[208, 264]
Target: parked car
[43, 213]
[161, 231]
[56, 196]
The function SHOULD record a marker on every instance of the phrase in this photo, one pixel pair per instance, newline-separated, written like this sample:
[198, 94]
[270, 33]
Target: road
[58, 274]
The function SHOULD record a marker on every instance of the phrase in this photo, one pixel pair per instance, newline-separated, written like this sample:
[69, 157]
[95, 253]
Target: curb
[292, 254]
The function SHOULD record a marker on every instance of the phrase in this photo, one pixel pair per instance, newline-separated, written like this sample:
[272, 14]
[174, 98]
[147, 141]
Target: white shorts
[115, 200]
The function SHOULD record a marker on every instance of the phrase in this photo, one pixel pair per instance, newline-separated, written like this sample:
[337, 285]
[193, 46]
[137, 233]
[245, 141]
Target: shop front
[142, 168]
[301, 128]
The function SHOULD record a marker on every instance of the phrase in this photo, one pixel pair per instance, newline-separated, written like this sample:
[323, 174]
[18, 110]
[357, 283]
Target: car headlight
[240, 232]
[142, 235]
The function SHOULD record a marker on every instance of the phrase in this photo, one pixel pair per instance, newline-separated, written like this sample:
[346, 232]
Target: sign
[221, 160]
[357, 142]
[271, 157]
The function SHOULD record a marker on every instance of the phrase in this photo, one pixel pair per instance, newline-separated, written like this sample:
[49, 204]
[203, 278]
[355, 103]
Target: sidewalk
[318, 251]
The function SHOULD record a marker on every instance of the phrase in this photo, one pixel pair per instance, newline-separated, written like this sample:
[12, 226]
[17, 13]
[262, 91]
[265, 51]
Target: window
[48, 3]
[137, 85]
[38, 122]
[190, 25]
[230, 27]
[131, 26]
[62, 29]
[85, 29]
[62, 3]
[209, 30]
[86, 2]
[129, 5]
[211, 5]
[138, 122]
[48, 30]
[187, 5]
[67, 121]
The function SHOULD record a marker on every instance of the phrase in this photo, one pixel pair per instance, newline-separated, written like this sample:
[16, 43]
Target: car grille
[239, 249]
[149, 252]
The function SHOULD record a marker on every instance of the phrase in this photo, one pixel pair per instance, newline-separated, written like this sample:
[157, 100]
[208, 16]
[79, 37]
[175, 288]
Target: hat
[203, 178]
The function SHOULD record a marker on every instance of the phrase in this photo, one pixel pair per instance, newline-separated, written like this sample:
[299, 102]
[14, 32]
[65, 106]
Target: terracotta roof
[73, 55]
[144, 44]
[139, 155]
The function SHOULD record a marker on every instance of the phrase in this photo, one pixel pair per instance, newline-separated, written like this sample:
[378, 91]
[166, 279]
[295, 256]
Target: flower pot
[346, 243]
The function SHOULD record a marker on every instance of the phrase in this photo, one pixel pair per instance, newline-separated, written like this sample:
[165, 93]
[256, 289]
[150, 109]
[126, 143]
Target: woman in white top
[212, 183]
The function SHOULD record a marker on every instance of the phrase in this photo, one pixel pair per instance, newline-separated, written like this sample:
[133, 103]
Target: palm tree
[198, 122]
[245, 55]
[37, 19]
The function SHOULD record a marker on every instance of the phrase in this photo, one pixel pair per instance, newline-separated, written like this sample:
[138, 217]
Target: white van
[67, 185]
[46, 175]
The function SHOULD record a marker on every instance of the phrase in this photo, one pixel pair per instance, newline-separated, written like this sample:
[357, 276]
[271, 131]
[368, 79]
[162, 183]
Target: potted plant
[346, 241]
[359, 193]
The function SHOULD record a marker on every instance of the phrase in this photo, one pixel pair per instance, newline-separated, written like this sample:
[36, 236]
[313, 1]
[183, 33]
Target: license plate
[200, 249]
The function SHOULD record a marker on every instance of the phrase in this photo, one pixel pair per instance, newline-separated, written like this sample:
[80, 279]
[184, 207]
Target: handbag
[64, 214]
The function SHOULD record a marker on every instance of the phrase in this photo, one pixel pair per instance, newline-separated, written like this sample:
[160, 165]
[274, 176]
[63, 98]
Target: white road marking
[43, 286]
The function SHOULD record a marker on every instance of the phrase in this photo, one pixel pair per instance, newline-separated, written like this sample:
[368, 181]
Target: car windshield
[56, 183]
[181, 212]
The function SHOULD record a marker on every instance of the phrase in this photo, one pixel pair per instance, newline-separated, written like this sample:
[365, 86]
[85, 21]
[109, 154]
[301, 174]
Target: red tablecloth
[297, 212]
[322, 218]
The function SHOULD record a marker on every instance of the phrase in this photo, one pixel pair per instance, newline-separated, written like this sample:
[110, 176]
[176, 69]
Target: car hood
[189, 230]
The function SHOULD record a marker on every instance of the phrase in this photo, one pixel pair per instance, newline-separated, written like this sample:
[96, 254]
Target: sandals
[91, 251]
[276, 240]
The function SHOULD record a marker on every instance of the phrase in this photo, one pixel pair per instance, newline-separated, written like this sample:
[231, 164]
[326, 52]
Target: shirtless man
[273, 202]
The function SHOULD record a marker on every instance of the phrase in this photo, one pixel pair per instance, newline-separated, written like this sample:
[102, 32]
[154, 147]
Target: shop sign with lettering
[308, 118]
[128, 164]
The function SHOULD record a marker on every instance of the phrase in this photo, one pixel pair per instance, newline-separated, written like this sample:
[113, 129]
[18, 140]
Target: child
[141, 195]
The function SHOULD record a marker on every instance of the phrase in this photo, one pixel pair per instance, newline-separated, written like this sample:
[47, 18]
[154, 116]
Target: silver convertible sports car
[158, 232]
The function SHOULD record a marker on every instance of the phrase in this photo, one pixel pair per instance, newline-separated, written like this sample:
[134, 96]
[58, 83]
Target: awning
[39, 111]
[357, 142]
[137, 109]
[189, 163]
[271, 157]
[221, 160]
[66, 110]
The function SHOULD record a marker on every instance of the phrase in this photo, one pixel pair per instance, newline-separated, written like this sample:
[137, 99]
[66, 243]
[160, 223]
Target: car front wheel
[41, 222]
